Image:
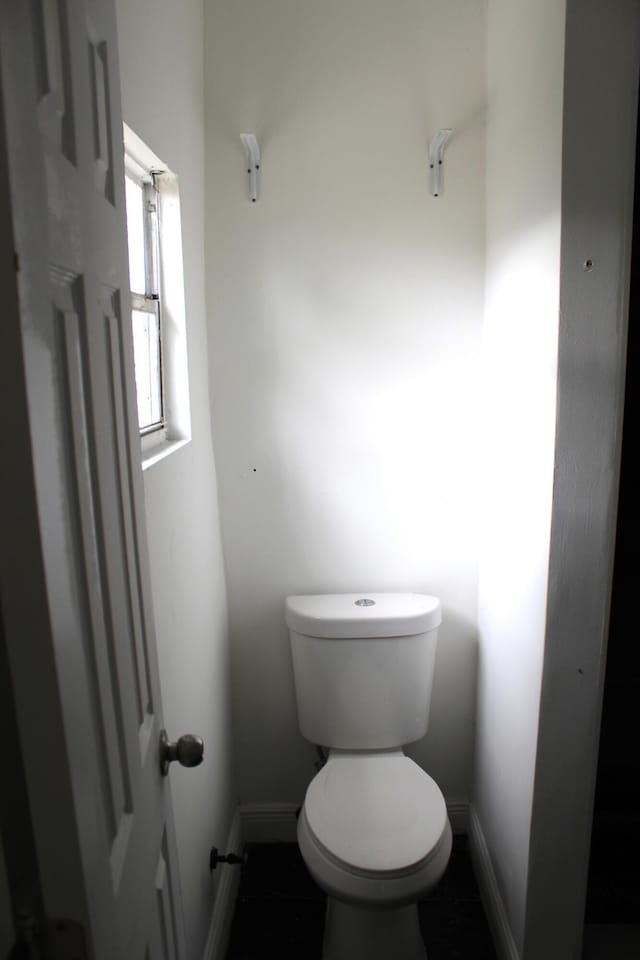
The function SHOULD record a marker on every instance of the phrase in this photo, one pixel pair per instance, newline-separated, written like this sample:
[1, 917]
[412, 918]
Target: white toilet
[373, 831]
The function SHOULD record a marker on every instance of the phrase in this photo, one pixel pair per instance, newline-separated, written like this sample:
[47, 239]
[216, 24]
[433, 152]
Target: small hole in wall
[588, 264]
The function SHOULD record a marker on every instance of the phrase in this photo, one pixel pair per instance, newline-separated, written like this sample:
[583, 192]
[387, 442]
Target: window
[157, 301]
[142, 227]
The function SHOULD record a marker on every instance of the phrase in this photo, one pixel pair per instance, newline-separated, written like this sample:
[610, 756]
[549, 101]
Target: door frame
[602, 64]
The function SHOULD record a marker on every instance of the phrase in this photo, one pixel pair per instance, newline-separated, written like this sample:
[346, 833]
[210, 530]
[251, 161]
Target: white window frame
[145, 298]
[144, 166]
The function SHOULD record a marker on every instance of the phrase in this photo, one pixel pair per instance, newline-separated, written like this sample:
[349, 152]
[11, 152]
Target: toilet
[373, 830]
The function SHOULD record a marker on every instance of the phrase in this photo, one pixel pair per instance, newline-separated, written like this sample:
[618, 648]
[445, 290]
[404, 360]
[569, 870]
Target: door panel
[63, 130]
[165, 906]
[101, 674]
[52, 62]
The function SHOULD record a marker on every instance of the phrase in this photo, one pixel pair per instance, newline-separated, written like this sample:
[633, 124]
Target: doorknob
[188, 751]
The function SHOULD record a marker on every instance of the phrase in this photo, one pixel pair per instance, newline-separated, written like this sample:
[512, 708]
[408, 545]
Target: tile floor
[611, 941]
[280, 910]
[612, 928]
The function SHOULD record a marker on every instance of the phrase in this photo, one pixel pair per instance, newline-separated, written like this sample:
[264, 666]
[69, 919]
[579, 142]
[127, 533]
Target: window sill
[156, 446]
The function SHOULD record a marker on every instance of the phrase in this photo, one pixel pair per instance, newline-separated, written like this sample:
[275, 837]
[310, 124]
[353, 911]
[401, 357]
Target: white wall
[161, 54]
[346, 309]
[525, 57]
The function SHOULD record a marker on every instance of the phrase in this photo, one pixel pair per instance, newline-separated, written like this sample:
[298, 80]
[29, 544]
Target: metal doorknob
[188, 751]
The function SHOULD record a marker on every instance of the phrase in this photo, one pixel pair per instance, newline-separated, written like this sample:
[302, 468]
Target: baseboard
[269, 822]
[276, 822]
[489, 891]
[458, 812]
[226, 893]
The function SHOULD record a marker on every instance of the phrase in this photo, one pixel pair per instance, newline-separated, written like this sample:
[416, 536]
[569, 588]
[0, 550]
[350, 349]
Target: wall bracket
[436, 158]
[252, 151]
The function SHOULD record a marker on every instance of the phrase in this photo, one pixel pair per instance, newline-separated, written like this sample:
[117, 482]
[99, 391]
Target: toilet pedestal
[358, 933]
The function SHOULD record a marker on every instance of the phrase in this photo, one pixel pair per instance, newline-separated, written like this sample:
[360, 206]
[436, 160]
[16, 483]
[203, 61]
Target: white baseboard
[458, 812]
[269, 822]
[276, 822]
[226, 893]
[489, 891]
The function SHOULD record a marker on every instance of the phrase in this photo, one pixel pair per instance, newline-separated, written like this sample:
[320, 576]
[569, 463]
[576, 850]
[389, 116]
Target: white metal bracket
[252, 151]
[436, 157]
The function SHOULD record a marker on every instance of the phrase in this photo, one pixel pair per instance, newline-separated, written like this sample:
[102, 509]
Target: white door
[75, 584]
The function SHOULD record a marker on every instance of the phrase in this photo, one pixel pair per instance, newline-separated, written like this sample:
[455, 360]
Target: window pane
[146, 355]
[135, 234]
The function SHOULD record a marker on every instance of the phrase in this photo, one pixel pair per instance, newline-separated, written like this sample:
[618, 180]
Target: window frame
[149, 301]
[164, 296]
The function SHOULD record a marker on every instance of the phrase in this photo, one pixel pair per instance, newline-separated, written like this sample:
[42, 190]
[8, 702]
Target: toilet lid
[376, 813]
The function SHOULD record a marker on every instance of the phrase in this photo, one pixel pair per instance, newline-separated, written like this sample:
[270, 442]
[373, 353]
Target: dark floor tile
[611, 900]
[277, 870]
[286, 928]
[611, 942]
[613, 890]
[458, 882]
[455, 930]
[280, 910]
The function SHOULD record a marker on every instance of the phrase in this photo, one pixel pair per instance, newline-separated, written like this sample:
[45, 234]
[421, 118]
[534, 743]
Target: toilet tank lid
[349, 615]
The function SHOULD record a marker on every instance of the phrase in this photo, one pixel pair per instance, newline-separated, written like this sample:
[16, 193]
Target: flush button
[365, 603]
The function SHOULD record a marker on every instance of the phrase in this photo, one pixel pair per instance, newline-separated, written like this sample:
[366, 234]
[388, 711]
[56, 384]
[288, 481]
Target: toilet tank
[363, 667]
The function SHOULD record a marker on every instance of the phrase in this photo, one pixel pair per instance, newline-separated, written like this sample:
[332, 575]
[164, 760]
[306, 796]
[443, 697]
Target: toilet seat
[376, 814]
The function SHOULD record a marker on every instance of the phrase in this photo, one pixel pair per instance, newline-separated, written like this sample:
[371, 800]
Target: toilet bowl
[373, 829]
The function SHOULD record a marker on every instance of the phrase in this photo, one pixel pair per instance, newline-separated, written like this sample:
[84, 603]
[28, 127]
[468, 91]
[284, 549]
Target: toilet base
[359, 933]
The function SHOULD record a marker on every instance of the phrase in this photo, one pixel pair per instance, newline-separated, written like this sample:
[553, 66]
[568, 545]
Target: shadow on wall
[446, 751]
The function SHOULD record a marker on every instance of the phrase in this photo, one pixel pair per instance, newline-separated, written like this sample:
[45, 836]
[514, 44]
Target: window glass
[146, 350]
[135, 233]
[158, 322]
